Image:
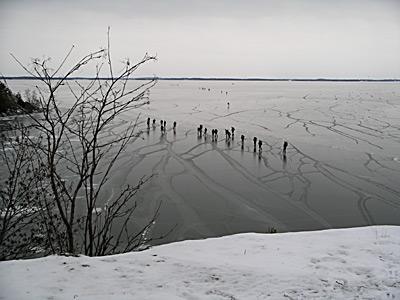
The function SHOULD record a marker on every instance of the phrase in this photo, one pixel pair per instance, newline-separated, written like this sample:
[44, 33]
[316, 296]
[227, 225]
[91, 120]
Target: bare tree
[20, 228]
[76, 148]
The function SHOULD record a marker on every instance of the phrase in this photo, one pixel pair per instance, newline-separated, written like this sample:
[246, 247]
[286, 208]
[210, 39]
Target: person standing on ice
[154, 122]
[255, 143]
[285, 144]
[260, 145]
[148, 122]
[233, 131]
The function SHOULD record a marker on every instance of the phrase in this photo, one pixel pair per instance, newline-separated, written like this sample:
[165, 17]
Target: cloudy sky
[220, 38]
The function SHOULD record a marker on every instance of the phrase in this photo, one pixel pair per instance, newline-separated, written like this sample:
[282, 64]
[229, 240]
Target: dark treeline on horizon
[215, 79]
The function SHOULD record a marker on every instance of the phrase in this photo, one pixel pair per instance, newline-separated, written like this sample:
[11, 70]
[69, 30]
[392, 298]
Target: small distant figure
[154, 122]
[165, 125]
[255, 143]
[174, 127]
[214, 135]
[228, 135]
[161, 122]
[260, 145]
[148, 122]
[200, 131]
[205, 132]
[228, 105]
[285, 144]
[242, 138]
[226, 93]
[233, 131]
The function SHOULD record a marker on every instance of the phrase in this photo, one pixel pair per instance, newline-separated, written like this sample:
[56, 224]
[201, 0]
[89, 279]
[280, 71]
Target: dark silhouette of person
[285, 144]
[242, 138]
[174, 127]
[260, 145]
[154, 122]
[216, 134]
[233, 131]
[228, 135]
[228, 105]
[148, 122]
[205, 132]
[165, 125]
[255, 143]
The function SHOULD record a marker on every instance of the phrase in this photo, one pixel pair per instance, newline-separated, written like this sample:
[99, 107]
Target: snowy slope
[338, 264]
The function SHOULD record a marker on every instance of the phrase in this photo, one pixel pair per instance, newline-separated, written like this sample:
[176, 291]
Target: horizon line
[210, 78]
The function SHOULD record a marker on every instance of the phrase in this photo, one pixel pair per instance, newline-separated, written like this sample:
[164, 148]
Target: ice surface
[341, 167]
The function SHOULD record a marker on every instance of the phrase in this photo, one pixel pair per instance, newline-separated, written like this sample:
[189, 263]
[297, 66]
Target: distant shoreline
[217, 79]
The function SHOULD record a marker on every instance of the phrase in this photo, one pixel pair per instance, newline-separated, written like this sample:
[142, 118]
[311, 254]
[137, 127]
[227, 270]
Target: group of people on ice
[229, 135]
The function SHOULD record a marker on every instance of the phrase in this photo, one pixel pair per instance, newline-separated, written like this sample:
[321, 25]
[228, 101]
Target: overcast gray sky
[221, 38]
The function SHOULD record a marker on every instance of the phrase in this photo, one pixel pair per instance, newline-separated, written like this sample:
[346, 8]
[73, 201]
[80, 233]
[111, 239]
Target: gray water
[342, 167]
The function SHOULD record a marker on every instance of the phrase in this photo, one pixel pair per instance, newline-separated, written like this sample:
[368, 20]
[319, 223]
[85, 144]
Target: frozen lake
[342, 167]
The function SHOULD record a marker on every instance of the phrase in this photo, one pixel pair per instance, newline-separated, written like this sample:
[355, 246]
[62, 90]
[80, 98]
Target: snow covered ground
[357, 263]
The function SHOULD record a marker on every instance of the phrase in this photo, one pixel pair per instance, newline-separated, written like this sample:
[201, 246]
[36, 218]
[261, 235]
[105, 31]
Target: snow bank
[339, 264]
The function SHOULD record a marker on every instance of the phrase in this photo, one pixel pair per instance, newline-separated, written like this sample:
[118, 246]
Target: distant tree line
[11, 103]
